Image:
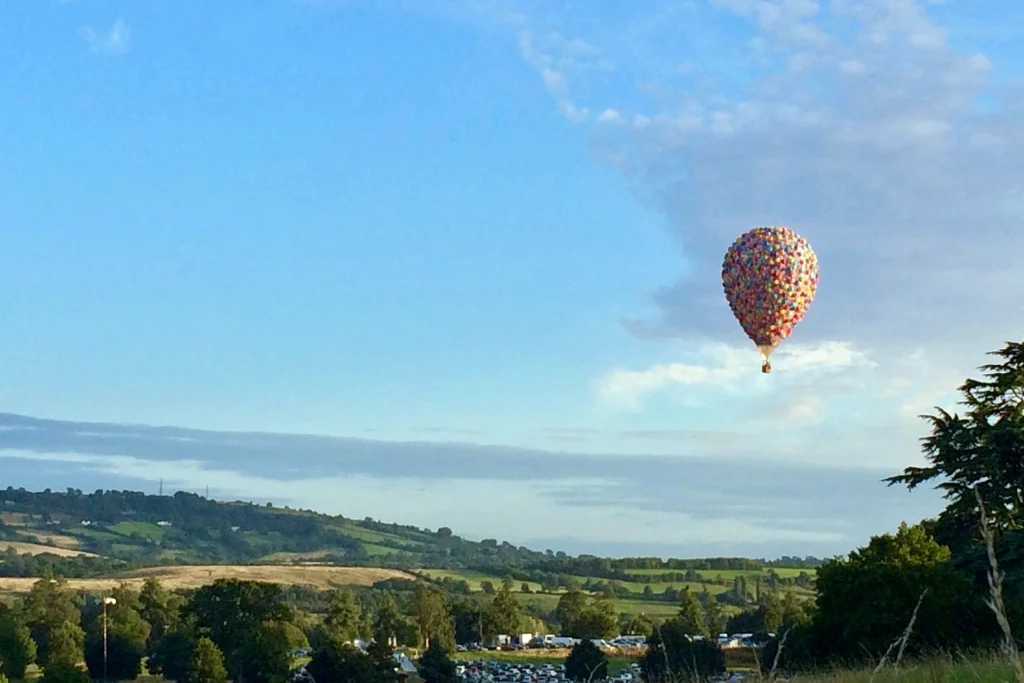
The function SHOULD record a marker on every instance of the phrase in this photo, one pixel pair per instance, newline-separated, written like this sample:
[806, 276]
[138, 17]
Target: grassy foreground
[983, 669]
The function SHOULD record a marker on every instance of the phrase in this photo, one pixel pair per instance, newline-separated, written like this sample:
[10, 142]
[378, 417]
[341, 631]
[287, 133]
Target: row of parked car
[551, 642]
[507, 672]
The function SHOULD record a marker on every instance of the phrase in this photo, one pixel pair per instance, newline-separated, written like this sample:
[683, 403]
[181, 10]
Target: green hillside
[126, 530]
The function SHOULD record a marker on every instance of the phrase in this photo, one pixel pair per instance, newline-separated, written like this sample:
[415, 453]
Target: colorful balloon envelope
[770, 276]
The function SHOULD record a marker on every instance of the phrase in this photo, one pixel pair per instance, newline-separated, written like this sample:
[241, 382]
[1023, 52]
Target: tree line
[950, 584]
[247, 630]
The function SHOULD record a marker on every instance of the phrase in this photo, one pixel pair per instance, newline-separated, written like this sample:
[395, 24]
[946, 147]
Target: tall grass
[946, 669]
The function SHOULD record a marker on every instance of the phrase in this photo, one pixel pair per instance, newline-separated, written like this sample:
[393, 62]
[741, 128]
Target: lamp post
[106, 601]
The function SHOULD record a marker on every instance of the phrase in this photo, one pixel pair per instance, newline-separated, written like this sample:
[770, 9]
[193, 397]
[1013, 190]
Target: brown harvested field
[320, 577]
[14, 518]
[60, 540]
[38, 549]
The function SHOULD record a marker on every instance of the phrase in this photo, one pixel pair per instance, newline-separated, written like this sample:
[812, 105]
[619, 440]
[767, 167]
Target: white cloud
[731, 368]
[572, 112]
[111, 42]
[555, 56]
[497, 507]
[554, 80]
[863, 130]
[610, 116]
[803, 409]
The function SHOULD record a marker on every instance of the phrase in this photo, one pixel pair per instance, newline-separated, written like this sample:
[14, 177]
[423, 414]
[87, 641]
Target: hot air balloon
[769, 275]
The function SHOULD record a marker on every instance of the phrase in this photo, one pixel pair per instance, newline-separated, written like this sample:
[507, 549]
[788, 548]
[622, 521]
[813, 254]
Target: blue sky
[500, 222]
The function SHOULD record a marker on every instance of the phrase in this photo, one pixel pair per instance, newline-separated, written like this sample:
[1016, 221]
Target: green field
[378, 538]
[659, 587]
[474, 579]
[727, 574]
[374, 550]
[148, 531]
[548, 601]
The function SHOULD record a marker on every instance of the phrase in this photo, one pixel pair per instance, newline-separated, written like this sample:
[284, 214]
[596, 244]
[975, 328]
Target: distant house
[235, 528]
[86, 522]
[163, 524]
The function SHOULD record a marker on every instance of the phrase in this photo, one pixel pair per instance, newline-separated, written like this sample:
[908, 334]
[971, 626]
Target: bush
[207, 664]
[671, 645]
[586, 662]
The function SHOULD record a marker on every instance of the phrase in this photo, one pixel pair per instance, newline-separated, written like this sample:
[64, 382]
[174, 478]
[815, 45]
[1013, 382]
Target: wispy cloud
[858, 122]
[112, 42]
[723, 367]
[719, 505]
[861, 128]
[555, 56]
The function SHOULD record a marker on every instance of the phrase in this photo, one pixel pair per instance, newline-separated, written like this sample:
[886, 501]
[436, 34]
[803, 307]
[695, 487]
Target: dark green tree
[127, 636]
[570, 607]
[671, 645]
[47, 607]
[170, 655]
[207, 663]
[382, 656]
[793, 611]
[337, 662]
[267, 654]
[387, 620]
[160, 607]
[17, 649]
[747, 621]
[771, 612]
[714, 617]
[691, 614]
[597, 620]
[504, 615]
[65, 651]
[982, 448]
[638, 625]
[344, 615]
[468, 617]
[243, 618]
[432, 616]
[866, 601]
[436, 666]
[586, 662]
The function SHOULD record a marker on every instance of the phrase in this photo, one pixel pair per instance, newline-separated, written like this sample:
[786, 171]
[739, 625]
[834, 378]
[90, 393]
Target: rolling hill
[188, 540]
